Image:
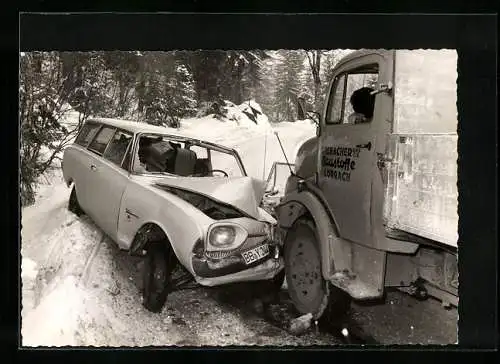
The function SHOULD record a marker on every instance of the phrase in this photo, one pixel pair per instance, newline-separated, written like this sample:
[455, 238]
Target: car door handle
[93, 167]
[366, 146]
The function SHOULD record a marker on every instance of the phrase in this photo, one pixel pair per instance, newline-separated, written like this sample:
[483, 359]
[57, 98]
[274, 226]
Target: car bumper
[206, 267]
[263, 271]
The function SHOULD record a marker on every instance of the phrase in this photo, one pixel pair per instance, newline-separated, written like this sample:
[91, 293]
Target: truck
[372, 205]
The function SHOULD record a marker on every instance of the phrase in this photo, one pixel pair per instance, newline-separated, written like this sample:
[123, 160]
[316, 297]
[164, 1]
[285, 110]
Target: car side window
[86, 134]
[128, 157]
[118, 147]
[101, 140]
[201, 152]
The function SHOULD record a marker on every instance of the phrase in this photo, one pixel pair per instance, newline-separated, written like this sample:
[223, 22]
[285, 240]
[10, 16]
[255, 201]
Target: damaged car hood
[244, 193]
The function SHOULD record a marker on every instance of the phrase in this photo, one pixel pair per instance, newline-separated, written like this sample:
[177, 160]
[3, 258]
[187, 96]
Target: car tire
[309, 291]
[73, 204]
[157, 271]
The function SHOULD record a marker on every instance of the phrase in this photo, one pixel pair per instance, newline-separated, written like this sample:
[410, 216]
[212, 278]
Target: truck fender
[333, 249]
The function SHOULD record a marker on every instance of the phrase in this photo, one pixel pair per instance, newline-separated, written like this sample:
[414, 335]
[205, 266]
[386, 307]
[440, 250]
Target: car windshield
[160, 154]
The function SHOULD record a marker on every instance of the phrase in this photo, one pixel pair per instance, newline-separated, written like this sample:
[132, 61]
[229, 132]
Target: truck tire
[278, 280]
[309, 291]
[158, 267]
[73, 204]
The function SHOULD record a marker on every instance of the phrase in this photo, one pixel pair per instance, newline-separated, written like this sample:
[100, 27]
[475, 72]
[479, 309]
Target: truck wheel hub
[306, 271]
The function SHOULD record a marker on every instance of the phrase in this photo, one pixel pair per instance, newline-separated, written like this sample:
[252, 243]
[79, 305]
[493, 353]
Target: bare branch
[310, 61]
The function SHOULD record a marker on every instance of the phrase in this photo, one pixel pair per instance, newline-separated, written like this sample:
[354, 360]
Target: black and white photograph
[239, 197]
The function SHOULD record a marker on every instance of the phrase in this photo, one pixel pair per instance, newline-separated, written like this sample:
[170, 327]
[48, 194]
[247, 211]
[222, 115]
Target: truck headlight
[224, 236]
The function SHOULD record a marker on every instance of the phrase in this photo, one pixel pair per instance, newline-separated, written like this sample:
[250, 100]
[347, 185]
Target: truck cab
[373, 200]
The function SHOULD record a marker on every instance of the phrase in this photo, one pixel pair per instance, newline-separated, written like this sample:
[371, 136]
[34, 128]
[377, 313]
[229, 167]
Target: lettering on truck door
[347, 145]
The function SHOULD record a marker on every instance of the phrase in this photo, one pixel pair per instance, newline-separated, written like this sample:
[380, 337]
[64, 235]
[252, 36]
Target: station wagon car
[173, 199]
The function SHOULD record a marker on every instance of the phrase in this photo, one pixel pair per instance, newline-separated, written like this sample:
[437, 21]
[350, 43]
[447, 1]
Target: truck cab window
[351, 101]
[359, 103]
[336, 101]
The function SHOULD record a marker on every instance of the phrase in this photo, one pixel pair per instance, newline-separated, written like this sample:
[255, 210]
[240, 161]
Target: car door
[110, 177]
[78, 160]
[95, 167]
[348, 150]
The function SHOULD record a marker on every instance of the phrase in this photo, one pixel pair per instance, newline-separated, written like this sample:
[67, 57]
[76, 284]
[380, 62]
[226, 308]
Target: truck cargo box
[421, 195]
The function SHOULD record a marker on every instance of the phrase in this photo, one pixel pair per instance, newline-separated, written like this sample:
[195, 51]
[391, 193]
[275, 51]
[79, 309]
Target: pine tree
[180, 95]
[254, 74]
[288, 83]
[266, 95]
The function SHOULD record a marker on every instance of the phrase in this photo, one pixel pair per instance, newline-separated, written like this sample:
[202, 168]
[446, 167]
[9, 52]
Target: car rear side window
[102, 139]
[86, 134]
[118, 147]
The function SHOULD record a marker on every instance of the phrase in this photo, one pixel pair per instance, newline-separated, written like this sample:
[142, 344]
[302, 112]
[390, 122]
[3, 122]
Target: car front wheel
[158, 267]
[74, 205]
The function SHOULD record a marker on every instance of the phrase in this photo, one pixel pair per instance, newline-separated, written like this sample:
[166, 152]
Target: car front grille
[219, 254]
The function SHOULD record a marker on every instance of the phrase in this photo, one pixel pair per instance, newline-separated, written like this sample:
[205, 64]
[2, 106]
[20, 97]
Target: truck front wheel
[309, 291]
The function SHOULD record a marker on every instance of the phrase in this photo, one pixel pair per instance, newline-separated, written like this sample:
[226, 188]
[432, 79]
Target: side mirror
[316, 118]
[383, 87]
[303, 112]
[301, 109]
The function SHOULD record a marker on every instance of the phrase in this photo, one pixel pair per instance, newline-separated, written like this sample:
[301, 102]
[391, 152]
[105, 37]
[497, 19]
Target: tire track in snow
[90, 259]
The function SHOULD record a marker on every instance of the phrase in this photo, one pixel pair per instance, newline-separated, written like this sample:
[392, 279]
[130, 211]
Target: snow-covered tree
[42, 105]
[180, 95]
[167, 89]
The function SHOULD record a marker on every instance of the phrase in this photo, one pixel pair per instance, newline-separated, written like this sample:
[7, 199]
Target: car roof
[141, 127]
[136, 126]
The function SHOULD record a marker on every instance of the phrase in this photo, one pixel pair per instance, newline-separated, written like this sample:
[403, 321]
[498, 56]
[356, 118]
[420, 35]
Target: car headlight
[224, 236]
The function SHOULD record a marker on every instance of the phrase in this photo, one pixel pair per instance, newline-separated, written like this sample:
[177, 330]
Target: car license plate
[255, 254]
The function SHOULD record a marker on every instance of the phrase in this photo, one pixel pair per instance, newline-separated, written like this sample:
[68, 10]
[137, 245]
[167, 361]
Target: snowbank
[248, 114]
[253, 139]
[29, 273]
[242, 122]
[54, 322]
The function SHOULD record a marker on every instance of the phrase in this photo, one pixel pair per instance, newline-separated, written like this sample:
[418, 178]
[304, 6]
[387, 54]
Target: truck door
[349, 144]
